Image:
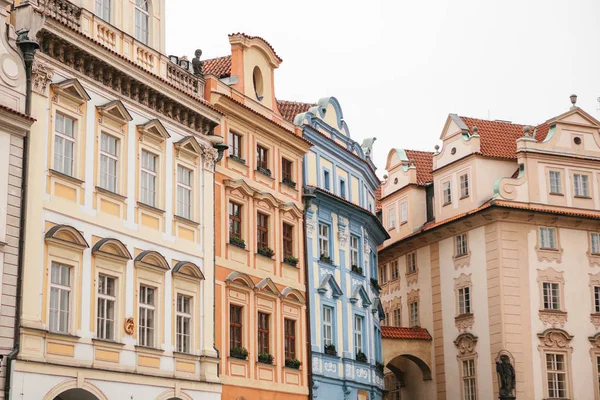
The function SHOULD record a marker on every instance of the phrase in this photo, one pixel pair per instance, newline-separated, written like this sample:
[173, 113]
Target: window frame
[287, 233]
[262, 230]
[150, 337]
[391, 218]
[180, 317]
[382, 275]
[328, 326]
[394, 270]
[287, 170]
[397, 316]
[413, 312]
[556, 372]
[551, 183]
[105, 11]
[465, 189]
[342, 188]
[105, 154]
[470, 379]
[65, 138]
[461, 245]
[324, 240]
[152, 175]
[446, 193]
[262, 332]
[289, 329]
[554, 238]
[235, 145]
[582, 190]
[403, 212]
[464, 300]
[185, 188]
[551, 296]
[354, 251]
[236, 328]
[594, 249]
[262, 157]
[140, 34]
[358, 334]
[59, 289]
[326, 179]
[106, 298]
[235, 219]
[411, 262]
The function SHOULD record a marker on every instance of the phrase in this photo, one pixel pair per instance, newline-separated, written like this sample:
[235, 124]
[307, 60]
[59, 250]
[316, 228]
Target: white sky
[400, 67]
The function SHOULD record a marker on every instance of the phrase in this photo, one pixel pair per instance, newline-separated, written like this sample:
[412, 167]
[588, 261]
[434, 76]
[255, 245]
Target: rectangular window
[411, 263]
[343, 188]
[555, 182]
[595, 239]
[354, 243]
[414, 314]
[447, 193]
[262, 157]
[108, 162]
[262, 232]
[141, 20]
[403, 212]
[64, 145]
[148, 179]
[235, 220]
[288, 240]
[326, 180]
[235, 326]
[102, 9]
[392, 218]
[383, 274]
[557, 376]
[235, 145]
[581, 185]
[464, 186]
[461, 245]
[551, 292]
[286, 170]
[184, 192]
[468, 377]
[548, 238]
[397, 317]
[358, 334]
[394, 270]
[184, 323]
[60, 297]
[105, 319]
[263, 333]
[290, 339]
[324, 240]
[598, 373]
[464, 300]
[327, 325]
[393, 387]
[597, 299]
[146, 316]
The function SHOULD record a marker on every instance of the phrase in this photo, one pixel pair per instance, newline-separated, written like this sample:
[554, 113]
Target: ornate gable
[154, 128]
[152, 259]
[329, 285]
[111, 247]
[267, 286]
[239, 279]
[115, 110]
[72, 90]
[188, 269]
[361, 294]
[66, 235]
[188, 145]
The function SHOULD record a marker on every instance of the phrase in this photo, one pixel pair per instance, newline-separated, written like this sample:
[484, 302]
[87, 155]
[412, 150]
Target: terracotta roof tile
[258, 37]
[20, 114]
[397, 332]
[424, 164]
[378, 198]
[220, 67]
[289, 109]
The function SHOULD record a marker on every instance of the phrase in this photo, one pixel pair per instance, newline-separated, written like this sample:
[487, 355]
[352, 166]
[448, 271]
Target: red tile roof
[378, 198]
[220, 67]
[424, 164]
[498, 138]
[289, 109]
[258, 37]
[20, 114]
[397, 332]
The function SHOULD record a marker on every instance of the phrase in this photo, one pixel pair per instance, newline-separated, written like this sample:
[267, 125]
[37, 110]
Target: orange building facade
[260, 325]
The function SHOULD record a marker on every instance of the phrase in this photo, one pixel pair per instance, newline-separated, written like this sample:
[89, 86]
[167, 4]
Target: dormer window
[464, 186]
[447, 193]
[142, 17]
[102, 9]
[257, 81]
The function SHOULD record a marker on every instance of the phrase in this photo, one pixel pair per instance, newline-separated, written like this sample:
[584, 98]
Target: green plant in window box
[375, 284]
[239, 352]
[289, 182]
[291, 260]
[361, 357]
[325, 258]
[356, 269]
[238, 242]
[265, 251]
[379, 367]
[292, 363]
[330, 349]
[265, 358]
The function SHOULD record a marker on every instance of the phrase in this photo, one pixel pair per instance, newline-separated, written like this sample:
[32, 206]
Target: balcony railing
[62, 10]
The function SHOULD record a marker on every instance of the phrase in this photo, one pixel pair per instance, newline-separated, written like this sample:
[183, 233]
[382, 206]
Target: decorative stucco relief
[555, 339]
[549, 255]
[412, 278]
[462, 261]
[594, 316]
[343, 233]
[41, 75]
[464, 322]
[413, 295]
[554, 319]
[465, 343]
[594, 259]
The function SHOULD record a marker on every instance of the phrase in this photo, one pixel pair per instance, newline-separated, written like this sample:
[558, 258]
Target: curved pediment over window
[153, 259]
[292, 294]
[267, 285]
[555, 338]
[329, 285]
[67, 235]
[240, 278]
[189, 269]
[111, 247]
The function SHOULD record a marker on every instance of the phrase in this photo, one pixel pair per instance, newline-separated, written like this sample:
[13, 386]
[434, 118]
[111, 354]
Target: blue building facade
[342, 235]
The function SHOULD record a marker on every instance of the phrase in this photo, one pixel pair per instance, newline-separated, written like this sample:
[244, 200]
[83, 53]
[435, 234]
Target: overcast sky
[399, 67]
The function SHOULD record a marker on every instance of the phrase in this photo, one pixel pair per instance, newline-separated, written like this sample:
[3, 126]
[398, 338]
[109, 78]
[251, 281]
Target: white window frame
[464, 300]
[555, 182]
[109, 181]
[469, 379]
[394, 270]
[383, 274]
[553, 374]
[62, 163]
[358, 334]
[146, 332]
[183, 341]
[447, 192]
[403, 212]
[103, 302]
[414, 313]
[142, 11]
[548, 238]
[596, 293]
[595, 243]
[462, 245]
[103, 9]
[327, 325]
[326, 179]
[397, 317]
[581, 185]
[185, 198]
[354, 254]
[392, 218]
[551, 295]
[56, 296]
[324, 232]
[411, 262]
[147, 176]
[464, 186]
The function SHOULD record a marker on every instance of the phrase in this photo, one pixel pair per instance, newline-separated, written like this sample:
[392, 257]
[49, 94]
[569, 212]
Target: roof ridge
[216, 58]
[258, 37]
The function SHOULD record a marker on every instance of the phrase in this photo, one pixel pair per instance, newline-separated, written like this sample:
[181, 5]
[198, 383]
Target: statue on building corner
[196, 63]
[506, 378]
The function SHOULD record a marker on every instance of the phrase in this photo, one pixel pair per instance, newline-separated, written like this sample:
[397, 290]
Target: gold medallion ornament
[129, 325]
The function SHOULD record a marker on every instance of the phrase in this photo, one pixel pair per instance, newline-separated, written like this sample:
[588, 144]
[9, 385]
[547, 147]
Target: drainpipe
[308, 197]
[28, 48]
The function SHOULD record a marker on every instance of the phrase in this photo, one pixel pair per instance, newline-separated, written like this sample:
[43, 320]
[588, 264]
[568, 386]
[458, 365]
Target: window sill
[149, 349]
[186, 221]
[237, 159]
[108, 342]
[412, 277]
[556, 194]
[404, 223]
[239, 358]
[270, 364]
[463, 197]
[295, 265]
[61, 335]
[462, 260]
[150, 208]
[185, 356]
[391, 228]
[265, 171]
[553, 318]
[110, 193]
[549, 254]
[66, 177]
[333, 356]
[238, 245]
[289, 183]
[446, 204]
[582, 197]
[265, 256]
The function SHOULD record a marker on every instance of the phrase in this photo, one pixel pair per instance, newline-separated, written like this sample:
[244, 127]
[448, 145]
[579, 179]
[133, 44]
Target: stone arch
[112, 247]
[73, 385]
[240, 278]
[393, 365]
[171, 395]
[153, 259]
[66, 234]
[189, 269]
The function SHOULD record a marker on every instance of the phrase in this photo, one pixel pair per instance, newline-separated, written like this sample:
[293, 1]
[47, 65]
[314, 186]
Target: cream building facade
[118, 271]
[494, 251]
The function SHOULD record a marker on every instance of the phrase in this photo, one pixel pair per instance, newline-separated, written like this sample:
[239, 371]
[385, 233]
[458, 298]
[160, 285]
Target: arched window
[142, 17]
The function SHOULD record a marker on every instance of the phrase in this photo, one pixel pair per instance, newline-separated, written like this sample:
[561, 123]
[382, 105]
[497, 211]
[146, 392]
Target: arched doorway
[76, 394]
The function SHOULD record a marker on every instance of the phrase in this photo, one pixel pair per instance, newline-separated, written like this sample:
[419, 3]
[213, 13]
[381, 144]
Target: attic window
[453, 151]
[395, 181]
[257, 81]
[577, 140]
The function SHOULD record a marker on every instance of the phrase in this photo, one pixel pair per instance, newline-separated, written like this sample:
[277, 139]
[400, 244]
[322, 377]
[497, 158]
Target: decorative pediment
[578, 117]
[73, 90]
[188, 269]
[240, 278]
[115, 110]
[291, 208]
[595, 341]
[240, 185]
[378, 308]
[267, 197]
[292, 294]
[555, 338]
[466, 342]
[328, 283]
[154, 128]
[66, 235]
[152, 259]
[111, 247]
[188, 145]
[267, 285]
[360, 293]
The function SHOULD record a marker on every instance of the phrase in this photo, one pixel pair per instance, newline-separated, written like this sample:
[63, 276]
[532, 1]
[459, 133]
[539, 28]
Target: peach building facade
[260, 292]
[494, 254]
[118, 270]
